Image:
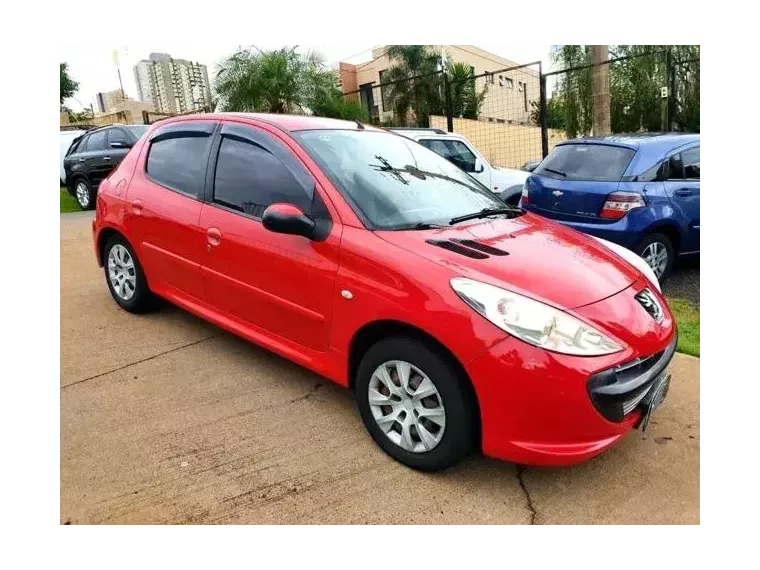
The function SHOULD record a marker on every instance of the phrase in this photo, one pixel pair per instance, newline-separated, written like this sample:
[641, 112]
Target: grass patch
[687, 319]
[68, 203]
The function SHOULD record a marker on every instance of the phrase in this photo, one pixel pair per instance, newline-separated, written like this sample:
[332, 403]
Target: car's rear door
[164, 205]
[97, 158]
[682, 187]
[283, 284]
[574, 181]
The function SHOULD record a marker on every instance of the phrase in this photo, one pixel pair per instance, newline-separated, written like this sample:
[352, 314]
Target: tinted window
[586, 162]
[395, 183]
[454, 151]
[138, 130]
[119, 135]
[96, 141]
[690, 159]
[179, 163]
[675, 167]
[249, 178]
[461, 155]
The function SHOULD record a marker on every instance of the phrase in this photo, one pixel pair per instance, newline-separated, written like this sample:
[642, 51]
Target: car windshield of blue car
[394, 183]
[586, 162]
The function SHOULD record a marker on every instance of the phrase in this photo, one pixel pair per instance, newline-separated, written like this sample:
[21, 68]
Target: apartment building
[115, 101]
[509, 94]
[172, 85]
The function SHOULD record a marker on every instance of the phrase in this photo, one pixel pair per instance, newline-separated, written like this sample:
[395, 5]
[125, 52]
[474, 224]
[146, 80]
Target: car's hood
[506, 177]
[535, 257]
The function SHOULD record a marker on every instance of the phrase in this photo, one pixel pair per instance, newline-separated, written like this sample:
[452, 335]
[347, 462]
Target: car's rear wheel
[124, 276]
[83, 194]
[413, 404]
[657, 250]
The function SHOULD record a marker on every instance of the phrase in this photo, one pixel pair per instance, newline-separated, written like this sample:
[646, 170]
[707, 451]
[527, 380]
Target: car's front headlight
[532, 321]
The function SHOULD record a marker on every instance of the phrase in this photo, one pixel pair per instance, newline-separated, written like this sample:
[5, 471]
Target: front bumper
[535, 405]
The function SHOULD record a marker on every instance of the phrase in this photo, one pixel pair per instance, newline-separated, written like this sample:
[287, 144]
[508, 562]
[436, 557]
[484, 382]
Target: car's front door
[682, 186]
[164, 206]
[283, 284]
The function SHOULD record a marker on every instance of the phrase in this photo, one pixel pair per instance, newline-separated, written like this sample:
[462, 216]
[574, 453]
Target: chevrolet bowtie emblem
[558, 193]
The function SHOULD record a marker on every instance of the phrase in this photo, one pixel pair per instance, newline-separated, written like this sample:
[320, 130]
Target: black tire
[663, 240]
[512, 195]
[87, 200]
[142, 299]
[460, 430]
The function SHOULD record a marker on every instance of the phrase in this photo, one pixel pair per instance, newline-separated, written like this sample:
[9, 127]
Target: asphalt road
[168, 419]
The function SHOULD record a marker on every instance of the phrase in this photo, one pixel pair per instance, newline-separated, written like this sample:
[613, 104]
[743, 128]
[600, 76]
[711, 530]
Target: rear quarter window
[586, 162]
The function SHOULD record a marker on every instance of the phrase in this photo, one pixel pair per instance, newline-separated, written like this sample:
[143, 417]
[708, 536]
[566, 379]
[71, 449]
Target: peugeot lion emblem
[558, 193]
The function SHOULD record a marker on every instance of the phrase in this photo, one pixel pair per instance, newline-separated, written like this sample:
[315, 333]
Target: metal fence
[517, 114]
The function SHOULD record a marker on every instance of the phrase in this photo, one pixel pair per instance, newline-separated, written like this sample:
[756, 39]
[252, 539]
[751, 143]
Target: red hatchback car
[459, 322]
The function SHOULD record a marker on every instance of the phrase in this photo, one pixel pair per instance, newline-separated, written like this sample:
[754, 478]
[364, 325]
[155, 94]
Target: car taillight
[524, 195]
[618, 204]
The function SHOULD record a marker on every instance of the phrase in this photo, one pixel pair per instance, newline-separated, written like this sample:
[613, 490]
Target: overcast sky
[93, 66]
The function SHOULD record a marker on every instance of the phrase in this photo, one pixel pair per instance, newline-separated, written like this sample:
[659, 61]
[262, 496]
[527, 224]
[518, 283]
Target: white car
[506, 182]
[67, 137]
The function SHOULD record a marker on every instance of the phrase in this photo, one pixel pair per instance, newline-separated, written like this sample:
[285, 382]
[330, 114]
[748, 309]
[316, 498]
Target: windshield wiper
[428, 226]
[557, 172]
[484, 213]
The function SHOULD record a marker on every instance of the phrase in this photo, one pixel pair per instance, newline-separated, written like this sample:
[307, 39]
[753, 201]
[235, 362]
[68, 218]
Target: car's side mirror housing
[285, 218]
[479, 167]
[120, 144]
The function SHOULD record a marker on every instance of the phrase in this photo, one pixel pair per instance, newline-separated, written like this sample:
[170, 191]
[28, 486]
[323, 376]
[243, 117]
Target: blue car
[640, 191]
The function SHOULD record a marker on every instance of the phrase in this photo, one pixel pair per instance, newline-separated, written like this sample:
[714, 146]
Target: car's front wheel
[125, 277]
[657, 250]
[413, 404]
[83, 194]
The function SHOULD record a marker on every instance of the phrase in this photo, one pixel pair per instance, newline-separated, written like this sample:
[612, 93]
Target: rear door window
[179, 162]
[96, 141]
[598, 162]
[690, 159]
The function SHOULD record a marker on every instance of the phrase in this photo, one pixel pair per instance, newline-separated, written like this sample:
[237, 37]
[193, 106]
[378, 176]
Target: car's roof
[656, 142]
[283, 122]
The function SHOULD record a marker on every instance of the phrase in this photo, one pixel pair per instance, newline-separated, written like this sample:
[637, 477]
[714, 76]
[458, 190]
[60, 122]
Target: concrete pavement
[167, 419]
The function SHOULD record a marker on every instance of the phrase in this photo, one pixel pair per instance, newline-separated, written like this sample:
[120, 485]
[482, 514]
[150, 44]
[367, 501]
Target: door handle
[213, 237]
[106, 158]
[683, 192]
[81, 159]
[137, 207]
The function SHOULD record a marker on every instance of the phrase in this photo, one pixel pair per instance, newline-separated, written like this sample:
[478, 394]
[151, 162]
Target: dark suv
[92, 156]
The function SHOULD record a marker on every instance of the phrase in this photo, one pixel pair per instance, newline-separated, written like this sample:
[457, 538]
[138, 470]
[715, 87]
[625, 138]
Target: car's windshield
[138, 130]
[586, 162]
[393, 182]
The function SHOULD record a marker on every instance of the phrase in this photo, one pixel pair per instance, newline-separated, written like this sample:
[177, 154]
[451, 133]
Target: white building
[172, 85]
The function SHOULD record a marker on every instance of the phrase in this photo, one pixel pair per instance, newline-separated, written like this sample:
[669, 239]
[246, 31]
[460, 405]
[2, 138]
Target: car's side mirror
[478, 166]
[120, 144]
[284, 218]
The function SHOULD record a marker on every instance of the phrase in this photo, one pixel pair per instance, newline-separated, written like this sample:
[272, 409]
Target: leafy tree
[555, 107]
[282, 81]
[465, 99]
[635, 100]
[416, 88]
[68, 85]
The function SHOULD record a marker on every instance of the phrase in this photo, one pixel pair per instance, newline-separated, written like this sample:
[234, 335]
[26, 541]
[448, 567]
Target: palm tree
[417, 85]
[465, 99]
[277, 81]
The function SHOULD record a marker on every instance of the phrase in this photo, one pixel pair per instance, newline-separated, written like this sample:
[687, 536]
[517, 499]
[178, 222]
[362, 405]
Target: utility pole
[601, 90]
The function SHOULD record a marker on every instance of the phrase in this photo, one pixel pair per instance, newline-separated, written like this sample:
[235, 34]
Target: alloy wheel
[656, 256]
[83, 194]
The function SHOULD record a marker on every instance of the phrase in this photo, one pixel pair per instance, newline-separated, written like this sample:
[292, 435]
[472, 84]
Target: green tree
[417, 87]
[466, 101]
[68, 85]
[282, 81]
[635, 100]
[555, 107]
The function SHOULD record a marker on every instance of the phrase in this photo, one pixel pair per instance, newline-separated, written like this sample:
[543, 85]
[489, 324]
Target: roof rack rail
[437, 131]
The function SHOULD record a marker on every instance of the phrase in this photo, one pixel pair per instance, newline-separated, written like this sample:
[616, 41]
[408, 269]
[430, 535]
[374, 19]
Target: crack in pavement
[529, 500]
[307, 395]
[143, 360]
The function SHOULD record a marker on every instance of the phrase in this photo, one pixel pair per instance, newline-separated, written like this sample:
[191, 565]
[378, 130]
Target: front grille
[617, 391]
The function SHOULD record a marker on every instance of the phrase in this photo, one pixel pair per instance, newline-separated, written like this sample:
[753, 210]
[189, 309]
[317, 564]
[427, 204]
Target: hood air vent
[468, 247]
[480, 246]
[456, 248]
